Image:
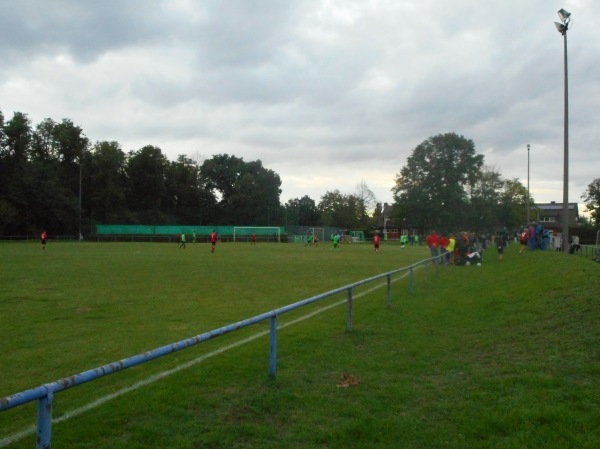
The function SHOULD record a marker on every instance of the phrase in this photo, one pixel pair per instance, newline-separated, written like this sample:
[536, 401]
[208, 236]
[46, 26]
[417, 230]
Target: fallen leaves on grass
[348, 380]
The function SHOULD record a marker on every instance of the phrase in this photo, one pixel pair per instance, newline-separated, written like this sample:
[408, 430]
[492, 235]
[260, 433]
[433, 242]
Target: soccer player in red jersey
[44, 238]
[376, 242]
[213, 241]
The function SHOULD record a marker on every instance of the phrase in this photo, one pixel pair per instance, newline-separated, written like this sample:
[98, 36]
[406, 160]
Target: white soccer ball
[478, 264]
[468, 263]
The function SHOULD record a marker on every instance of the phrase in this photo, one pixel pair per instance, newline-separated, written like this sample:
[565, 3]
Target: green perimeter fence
[169, 232]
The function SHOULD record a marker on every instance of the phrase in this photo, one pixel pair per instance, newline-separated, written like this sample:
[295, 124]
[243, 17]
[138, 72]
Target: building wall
[550, 214]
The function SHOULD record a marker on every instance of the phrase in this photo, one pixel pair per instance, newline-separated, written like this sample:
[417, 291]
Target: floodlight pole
[79, 236]
[528, 197]
[565, 220]
[562, 29]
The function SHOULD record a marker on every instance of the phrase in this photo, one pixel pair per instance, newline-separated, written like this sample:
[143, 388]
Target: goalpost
[357, 236]
[315, 232]
[264, 233]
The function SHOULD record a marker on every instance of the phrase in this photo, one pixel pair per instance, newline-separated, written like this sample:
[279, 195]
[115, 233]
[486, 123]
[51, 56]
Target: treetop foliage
[591, 196]
[445, 185]
[53, 178]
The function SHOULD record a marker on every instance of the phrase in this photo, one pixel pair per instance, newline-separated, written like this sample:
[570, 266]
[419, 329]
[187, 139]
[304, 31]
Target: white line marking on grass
[31, 430]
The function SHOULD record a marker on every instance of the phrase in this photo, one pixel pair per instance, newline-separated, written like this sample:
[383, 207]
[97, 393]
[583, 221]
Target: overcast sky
[325, 93]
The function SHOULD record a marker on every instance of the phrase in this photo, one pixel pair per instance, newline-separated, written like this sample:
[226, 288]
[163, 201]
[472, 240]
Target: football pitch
[76, 306]
[502, 355]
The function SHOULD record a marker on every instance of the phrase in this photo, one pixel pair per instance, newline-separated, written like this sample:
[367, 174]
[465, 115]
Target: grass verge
[504, 355]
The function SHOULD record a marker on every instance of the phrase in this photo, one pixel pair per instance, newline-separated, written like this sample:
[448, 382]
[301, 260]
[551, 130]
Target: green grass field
[500, 356]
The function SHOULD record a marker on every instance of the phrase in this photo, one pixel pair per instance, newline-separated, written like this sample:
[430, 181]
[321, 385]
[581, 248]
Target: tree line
[446, 185]
[52, 177]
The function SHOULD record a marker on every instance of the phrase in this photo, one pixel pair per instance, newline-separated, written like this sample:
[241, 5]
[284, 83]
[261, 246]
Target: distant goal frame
[319, 232]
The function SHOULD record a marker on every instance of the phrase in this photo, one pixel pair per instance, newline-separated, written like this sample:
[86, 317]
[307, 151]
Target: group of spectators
[535, 236]
[465, 248]
[462, 248]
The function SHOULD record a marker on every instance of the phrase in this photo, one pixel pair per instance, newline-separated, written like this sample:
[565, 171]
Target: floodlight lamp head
[561, 27]
[564, 15]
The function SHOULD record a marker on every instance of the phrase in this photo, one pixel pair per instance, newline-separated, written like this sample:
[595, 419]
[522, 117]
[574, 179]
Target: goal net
[357, 236]
[262, 233]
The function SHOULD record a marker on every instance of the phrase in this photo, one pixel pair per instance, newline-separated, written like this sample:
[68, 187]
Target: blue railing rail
[44, 394]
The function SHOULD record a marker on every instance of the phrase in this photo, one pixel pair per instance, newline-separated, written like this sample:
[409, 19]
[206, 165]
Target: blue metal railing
[44, 394]
[589, 252]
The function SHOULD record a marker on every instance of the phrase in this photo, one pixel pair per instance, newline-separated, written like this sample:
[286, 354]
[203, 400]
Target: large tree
[433, 189]
[40, 175]
[341, 210]
[257, 197]
[2, 134]
[16, 138]
[70, 142]
[513, 204]
[186, 197]
[366, 203]
[146, 194]
[591, 196]
[15, 176]
[43, 145]
[305, 210]
[484, 199]
[107, 183]
[248, 193]
[72, 150]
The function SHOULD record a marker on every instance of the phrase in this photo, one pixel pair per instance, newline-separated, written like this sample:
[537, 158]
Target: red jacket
[444, 242]
[433, 240]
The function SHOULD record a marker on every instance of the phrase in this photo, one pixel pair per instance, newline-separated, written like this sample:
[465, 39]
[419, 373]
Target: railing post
[44, 423]
[273, 351]
[389, 290]
[349, 315]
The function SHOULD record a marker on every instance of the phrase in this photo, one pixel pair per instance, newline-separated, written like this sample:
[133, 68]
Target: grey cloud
[84, 30]
[290, 82]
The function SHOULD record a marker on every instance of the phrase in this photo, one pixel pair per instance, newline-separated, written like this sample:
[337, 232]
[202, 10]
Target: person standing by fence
[444, 242]
[524, 240]
[531, 236]
[433, 241]
[575, 246]
[500, 244]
